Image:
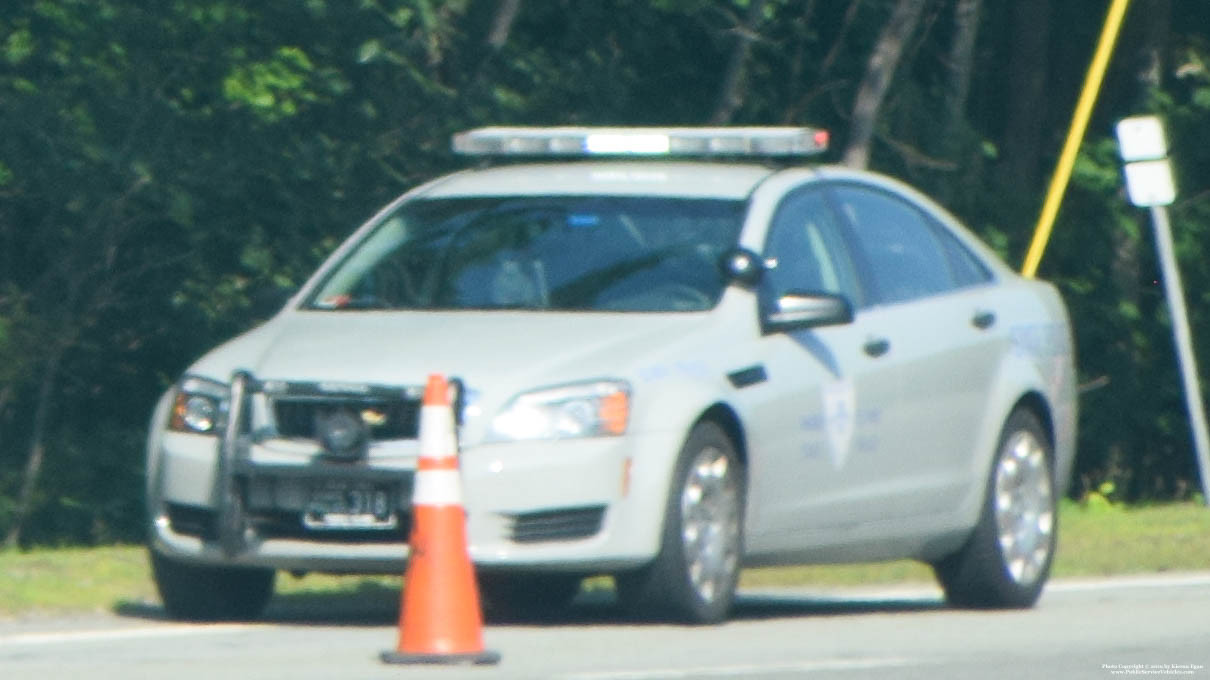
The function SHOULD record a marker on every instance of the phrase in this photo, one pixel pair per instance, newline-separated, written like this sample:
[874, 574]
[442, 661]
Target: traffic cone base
[483, 658]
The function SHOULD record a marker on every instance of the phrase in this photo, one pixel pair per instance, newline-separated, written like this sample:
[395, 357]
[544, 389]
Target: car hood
[489, 350]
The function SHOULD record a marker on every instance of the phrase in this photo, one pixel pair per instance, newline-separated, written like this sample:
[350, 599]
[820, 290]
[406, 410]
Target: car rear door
[936, 315]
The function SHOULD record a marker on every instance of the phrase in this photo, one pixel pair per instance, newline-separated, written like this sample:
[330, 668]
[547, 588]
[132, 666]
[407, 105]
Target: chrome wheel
[710, 516]
[1024, 508]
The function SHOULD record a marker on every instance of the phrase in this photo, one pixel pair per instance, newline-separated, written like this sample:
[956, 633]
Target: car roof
[687, 179]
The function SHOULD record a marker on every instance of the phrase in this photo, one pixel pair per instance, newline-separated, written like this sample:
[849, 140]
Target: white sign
[1149, 183]
[1141, 139]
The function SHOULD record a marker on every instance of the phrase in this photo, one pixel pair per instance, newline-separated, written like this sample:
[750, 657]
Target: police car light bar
[641, 141]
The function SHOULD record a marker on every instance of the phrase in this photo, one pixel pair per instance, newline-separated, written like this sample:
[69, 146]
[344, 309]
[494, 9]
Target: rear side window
[907, 254]
[965, 268]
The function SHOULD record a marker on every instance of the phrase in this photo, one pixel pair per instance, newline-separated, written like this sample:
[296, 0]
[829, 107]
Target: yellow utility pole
[1067, 159]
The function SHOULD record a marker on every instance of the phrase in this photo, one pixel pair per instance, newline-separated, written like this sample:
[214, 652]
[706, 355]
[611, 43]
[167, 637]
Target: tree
[72, 247]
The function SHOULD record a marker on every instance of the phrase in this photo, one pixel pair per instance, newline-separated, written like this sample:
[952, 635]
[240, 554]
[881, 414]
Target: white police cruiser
[678, 355]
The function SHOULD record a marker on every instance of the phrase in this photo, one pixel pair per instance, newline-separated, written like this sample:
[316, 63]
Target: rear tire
[209, 593]
[1007, 559]
[694, 576]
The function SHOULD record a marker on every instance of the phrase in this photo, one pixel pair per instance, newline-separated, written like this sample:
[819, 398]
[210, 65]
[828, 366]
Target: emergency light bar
[641, 141]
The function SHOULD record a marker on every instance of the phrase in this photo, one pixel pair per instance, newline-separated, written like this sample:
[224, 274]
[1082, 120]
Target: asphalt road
[1155, 626]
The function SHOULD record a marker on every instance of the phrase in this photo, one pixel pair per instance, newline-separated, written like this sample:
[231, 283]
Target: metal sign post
[1149, 184]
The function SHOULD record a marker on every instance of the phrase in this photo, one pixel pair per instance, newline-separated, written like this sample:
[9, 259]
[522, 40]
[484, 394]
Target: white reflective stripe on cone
[437, 487]
[437, 432]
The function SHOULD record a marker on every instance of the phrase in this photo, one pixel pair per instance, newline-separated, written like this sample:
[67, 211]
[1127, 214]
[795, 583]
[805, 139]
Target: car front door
[815, 424]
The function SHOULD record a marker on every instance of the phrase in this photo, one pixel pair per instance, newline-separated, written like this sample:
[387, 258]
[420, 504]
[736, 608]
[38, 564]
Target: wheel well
[724, 417]
[1036, 404]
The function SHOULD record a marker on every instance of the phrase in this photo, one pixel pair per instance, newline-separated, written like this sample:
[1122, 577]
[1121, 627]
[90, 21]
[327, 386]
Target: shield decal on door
[840, 416]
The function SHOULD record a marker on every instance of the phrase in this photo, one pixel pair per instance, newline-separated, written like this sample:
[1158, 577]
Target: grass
[1097, 540]
[1105, 541]
[73, 579]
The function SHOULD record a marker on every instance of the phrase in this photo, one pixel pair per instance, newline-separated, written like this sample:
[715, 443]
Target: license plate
[350, 505]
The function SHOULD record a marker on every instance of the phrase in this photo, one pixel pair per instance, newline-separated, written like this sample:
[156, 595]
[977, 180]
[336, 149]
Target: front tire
[197, 592]
[1007, 559]
[693, 578]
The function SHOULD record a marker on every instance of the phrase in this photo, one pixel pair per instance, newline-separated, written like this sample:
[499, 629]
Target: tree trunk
[880, 70]
[1026, 97]
[961, 64]
[37, 450]
[502, 25]
[731, 95]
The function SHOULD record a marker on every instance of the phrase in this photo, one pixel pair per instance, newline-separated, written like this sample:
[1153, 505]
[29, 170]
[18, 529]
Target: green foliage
[1102, 499]
[274, 89]
[18, 46]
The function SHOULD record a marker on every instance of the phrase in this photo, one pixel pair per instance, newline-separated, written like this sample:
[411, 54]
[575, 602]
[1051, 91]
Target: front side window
[805, 250]
[545, 253]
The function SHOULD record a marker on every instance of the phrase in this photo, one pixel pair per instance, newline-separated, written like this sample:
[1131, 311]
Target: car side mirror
[742, 266]
[797, 310]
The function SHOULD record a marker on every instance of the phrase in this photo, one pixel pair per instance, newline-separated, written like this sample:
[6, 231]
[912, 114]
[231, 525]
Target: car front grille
[384, 417]
[566, 524]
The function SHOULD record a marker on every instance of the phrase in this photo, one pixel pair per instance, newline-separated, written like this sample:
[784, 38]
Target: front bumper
[587, 505]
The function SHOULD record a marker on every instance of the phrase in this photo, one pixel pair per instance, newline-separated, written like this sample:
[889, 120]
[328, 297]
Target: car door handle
[877, 347]
[983, 320]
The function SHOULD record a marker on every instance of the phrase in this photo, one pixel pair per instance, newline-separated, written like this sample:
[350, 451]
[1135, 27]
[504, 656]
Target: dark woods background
[167, 167]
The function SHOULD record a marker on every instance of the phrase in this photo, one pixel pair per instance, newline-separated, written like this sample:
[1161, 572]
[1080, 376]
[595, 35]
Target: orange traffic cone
[439, 618]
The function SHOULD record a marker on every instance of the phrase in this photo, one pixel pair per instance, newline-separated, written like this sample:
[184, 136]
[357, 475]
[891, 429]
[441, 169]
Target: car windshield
[640, 254]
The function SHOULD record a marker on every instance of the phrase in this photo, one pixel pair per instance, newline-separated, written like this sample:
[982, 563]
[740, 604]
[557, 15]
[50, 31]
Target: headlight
[200, 406]
[595, 409]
